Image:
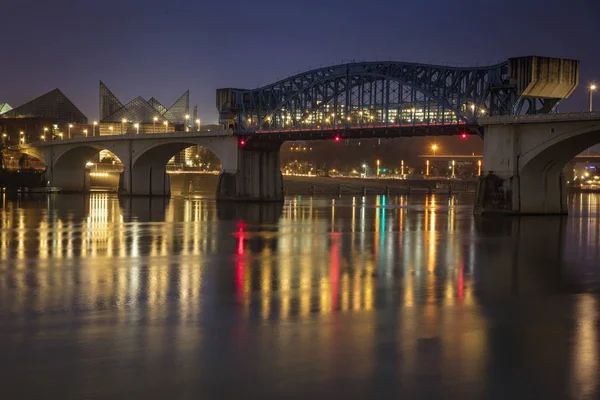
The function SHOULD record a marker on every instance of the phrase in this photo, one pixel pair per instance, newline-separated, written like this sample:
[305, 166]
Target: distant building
[150, 115]
[142, 116]
[4, 107]
[46, 116]
[53, 105]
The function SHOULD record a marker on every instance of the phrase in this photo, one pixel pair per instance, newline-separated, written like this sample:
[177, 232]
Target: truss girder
[377, 93]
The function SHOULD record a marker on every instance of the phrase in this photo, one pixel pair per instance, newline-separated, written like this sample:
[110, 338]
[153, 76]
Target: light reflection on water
[401, 295]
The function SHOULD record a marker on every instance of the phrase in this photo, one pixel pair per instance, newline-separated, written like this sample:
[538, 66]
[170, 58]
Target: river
[321, 297]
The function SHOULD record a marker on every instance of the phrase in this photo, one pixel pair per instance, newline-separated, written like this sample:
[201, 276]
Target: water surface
[351, 297]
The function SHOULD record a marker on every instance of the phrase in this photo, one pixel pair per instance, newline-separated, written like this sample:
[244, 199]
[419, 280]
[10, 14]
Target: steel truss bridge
[394, 98]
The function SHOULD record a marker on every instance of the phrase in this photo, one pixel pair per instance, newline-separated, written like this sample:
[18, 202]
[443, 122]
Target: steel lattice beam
[378, 95]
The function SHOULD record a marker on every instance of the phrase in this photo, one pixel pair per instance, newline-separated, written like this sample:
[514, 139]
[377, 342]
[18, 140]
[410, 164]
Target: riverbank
[306, 185]
[330, 185]
[27, 178]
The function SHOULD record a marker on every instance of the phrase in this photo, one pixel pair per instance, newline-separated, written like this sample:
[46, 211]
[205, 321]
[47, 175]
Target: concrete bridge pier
[145, 180]
[258, 174]
[525, 159]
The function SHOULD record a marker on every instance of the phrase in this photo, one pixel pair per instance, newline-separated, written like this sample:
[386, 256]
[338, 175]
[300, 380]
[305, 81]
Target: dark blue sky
[161, 48]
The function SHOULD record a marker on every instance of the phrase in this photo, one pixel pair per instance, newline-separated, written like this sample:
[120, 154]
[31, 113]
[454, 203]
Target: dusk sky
[162, 48]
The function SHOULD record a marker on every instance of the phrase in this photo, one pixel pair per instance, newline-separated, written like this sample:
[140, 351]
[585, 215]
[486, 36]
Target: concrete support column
[145, 180]
[69, 178]
[515, 181]
[258, 176]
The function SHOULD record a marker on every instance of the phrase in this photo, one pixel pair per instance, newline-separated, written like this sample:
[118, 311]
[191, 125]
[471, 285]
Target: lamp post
[427, 169]
[137, 128]
[154, 124]
[198, 123]
[70, 126]
[592, 88]
[453, 168]
[402, 167]
[378, 163]
[45, 132]
[94, 128]
[187, 123]
[479, 168]
[123, 122]
[166, 125]
[22, 137]
[434, 148]
[85, 131]
[110, 128]
[365, 168]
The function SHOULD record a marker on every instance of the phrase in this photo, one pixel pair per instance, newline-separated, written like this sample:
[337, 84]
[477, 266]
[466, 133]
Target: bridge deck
[539, 118]
[129, 136]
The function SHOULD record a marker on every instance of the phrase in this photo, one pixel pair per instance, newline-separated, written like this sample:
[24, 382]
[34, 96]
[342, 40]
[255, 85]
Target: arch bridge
[396, 98]
[247, 173]
[513, 105]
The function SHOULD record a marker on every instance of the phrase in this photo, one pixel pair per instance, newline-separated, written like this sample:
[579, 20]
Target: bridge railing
[128, 136]
[537, 118]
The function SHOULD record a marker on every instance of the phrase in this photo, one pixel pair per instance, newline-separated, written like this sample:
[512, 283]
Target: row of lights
[360, 117]
[110, 128]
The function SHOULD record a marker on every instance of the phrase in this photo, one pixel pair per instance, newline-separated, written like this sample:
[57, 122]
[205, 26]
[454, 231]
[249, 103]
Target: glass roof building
[139, 110]
[53, 105]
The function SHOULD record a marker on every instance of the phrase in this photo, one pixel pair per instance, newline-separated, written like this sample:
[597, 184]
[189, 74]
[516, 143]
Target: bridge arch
[541, 176]
[66, 163]
[146, 173]
[440, 93]
[524, 158]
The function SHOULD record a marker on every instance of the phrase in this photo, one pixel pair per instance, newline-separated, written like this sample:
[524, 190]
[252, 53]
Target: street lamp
[123, 122]
[137, 128]
[22, 136]
[378, 162]
[110, 128]
[434, 148]
[85, 131]
[187, 123]
[154, 124]
[94, 128]
[198, 122]
[592, 88]
[43, 137]
[70, 126]
[166, 125]
[45, 131]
